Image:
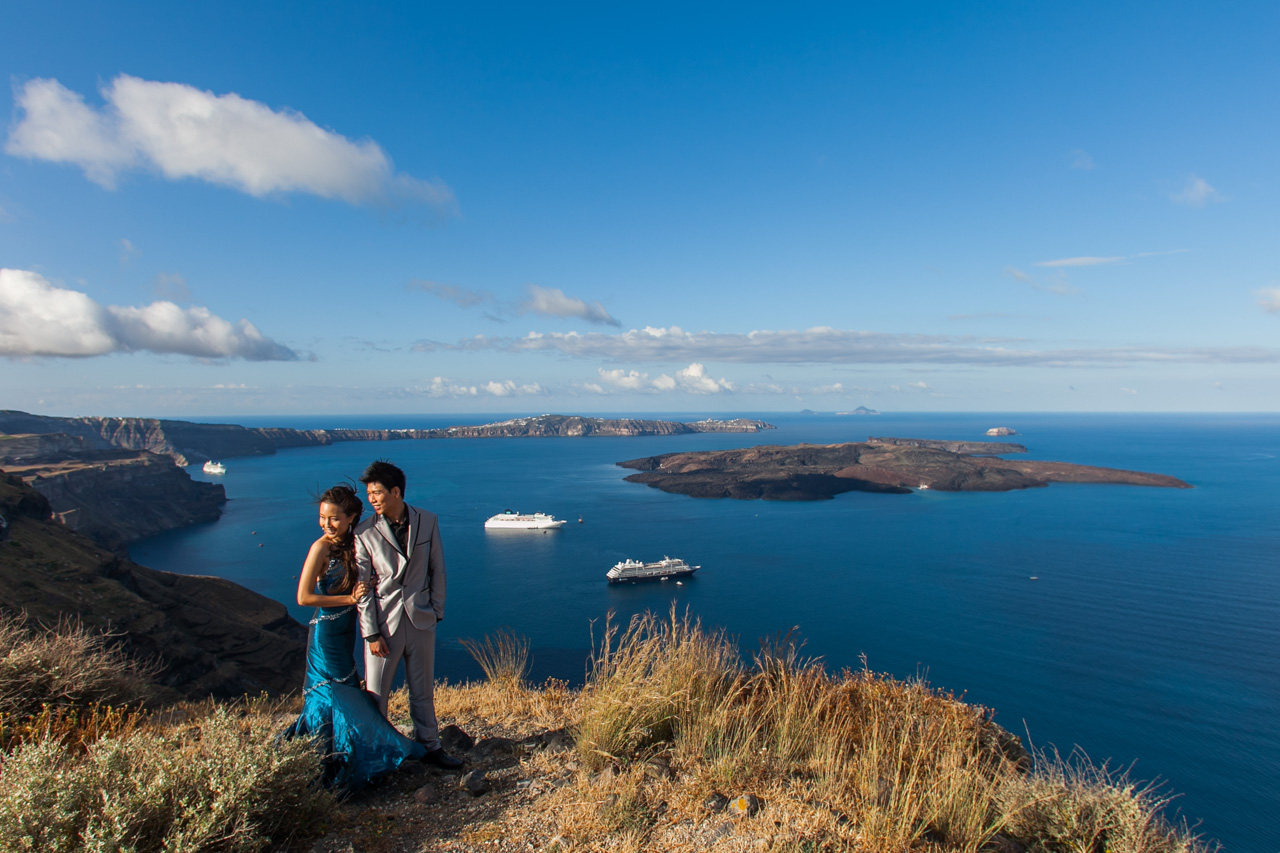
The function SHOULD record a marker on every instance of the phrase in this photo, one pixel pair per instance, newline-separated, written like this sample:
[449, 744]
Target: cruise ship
[212, 467]
[634, 570]
[511, 520]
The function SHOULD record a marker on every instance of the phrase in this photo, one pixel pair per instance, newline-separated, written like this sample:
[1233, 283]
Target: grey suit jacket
[406, 585]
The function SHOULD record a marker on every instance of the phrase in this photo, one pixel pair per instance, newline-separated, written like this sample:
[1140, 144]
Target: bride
[358, 743]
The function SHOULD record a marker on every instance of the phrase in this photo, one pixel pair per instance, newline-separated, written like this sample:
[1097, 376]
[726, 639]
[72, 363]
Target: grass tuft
[503, 655]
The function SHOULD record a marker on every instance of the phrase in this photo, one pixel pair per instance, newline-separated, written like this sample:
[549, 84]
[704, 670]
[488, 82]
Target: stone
[746, 805]
[558, 740]
[475, 783]
[427, 795]
[491, 746]
[715, 803]
[454, 739]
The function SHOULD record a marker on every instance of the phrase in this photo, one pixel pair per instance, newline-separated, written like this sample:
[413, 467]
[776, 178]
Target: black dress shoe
[439, 758]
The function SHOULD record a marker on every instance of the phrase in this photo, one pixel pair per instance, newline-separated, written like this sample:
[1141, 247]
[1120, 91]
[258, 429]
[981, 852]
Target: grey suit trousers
[417, 648]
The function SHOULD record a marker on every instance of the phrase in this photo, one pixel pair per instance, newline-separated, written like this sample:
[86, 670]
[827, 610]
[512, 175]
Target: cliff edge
[207, 636]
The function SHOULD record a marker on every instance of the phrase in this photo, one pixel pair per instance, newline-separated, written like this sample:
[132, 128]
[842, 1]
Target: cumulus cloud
[1269, 299]
[441, 386]
[182, 132]
[693, 379]
[626, 380]
[552, 302]
[39, 319]
[825, 345]
[509, 388]
[1196, 193]
[696, 380]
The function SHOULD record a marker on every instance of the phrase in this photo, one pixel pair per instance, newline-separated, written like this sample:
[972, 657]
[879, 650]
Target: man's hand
[378, 647]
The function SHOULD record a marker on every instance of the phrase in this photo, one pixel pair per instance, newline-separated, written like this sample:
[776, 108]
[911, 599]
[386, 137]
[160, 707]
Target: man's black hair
[383, 472]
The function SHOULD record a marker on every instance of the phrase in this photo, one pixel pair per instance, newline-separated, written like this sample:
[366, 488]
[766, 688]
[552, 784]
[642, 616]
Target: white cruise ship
[212, 467]
[634, 570]
[510, 520]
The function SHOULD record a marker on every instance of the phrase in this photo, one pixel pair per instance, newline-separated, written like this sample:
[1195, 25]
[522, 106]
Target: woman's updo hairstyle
[345, 499]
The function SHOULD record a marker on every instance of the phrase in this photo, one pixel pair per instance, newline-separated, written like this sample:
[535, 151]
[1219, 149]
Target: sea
[1137, 626]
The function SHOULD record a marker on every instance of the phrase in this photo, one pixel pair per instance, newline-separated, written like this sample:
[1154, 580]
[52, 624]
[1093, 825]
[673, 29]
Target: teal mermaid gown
[357, 742]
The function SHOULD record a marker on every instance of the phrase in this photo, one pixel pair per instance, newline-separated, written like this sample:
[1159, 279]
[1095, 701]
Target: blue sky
[414, 208]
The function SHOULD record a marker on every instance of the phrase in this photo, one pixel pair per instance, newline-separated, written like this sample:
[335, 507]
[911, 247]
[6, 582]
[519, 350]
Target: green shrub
[226, 783]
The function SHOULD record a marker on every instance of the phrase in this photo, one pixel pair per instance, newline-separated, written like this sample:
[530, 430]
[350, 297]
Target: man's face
[388, 502]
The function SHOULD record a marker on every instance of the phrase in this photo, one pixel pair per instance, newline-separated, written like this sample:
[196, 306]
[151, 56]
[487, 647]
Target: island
[807, 472]
[189, 443]
[118, 480]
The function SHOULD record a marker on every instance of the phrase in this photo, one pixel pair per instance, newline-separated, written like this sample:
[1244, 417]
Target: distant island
[187, 442]
[118, 480]
[807, 472]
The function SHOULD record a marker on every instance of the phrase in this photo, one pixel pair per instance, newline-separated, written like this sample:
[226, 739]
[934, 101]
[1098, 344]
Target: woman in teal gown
[358, 744]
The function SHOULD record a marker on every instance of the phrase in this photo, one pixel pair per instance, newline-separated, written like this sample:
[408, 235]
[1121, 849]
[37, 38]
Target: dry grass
[503, 655]
[670, 716]
[66, 665]
[855, 761]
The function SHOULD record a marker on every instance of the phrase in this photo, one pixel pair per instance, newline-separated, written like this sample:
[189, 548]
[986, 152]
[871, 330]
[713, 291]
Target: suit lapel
[412, 535]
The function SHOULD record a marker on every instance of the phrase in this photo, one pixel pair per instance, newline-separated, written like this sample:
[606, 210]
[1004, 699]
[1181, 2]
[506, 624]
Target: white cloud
[1080, 159]
[664, 383]
[1080, 262]
[40, 319]
[552, 302]
[509, 388]
[919, 386]
[443, 387]
[1196, 193]
[825, 345]
[696, 380]
[183, 132]
[1269, 299]
[1089, 261]
[625, 380]
[127, 251]
[1129, 391]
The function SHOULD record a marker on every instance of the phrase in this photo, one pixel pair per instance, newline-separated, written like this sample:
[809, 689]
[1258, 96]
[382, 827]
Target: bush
[225, 784]
[64, 665]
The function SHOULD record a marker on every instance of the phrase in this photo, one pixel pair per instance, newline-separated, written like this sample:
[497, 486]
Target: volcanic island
[809, 472]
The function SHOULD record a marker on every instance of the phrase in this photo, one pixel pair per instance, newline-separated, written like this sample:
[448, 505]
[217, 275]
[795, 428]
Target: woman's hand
[359, 591]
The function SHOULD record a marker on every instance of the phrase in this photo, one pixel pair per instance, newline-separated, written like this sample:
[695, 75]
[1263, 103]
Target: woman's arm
[317, 561]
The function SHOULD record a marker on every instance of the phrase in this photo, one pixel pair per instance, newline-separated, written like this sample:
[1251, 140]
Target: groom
[398, 553]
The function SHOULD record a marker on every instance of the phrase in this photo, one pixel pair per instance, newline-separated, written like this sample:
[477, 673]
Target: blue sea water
[1141, 625]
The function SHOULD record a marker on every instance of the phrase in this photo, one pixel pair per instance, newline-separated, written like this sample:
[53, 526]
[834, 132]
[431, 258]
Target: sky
[308, 208]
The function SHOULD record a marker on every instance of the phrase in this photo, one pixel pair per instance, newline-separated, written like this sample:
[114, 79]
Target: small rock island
[808, 472]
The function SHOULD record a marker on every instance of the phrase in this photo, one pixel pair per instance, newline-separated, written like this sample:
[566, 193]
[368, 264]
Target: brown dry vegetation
[669, 718]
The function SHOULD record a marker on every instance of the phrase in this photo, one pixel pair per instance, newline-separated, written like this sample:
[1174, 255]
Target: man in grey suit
[398, 553]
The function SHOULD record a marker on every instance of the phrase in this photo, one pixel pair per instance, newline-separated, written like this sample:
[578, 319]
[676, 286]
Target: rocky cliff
[112, 496]
[816, 472]
[207, 636]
